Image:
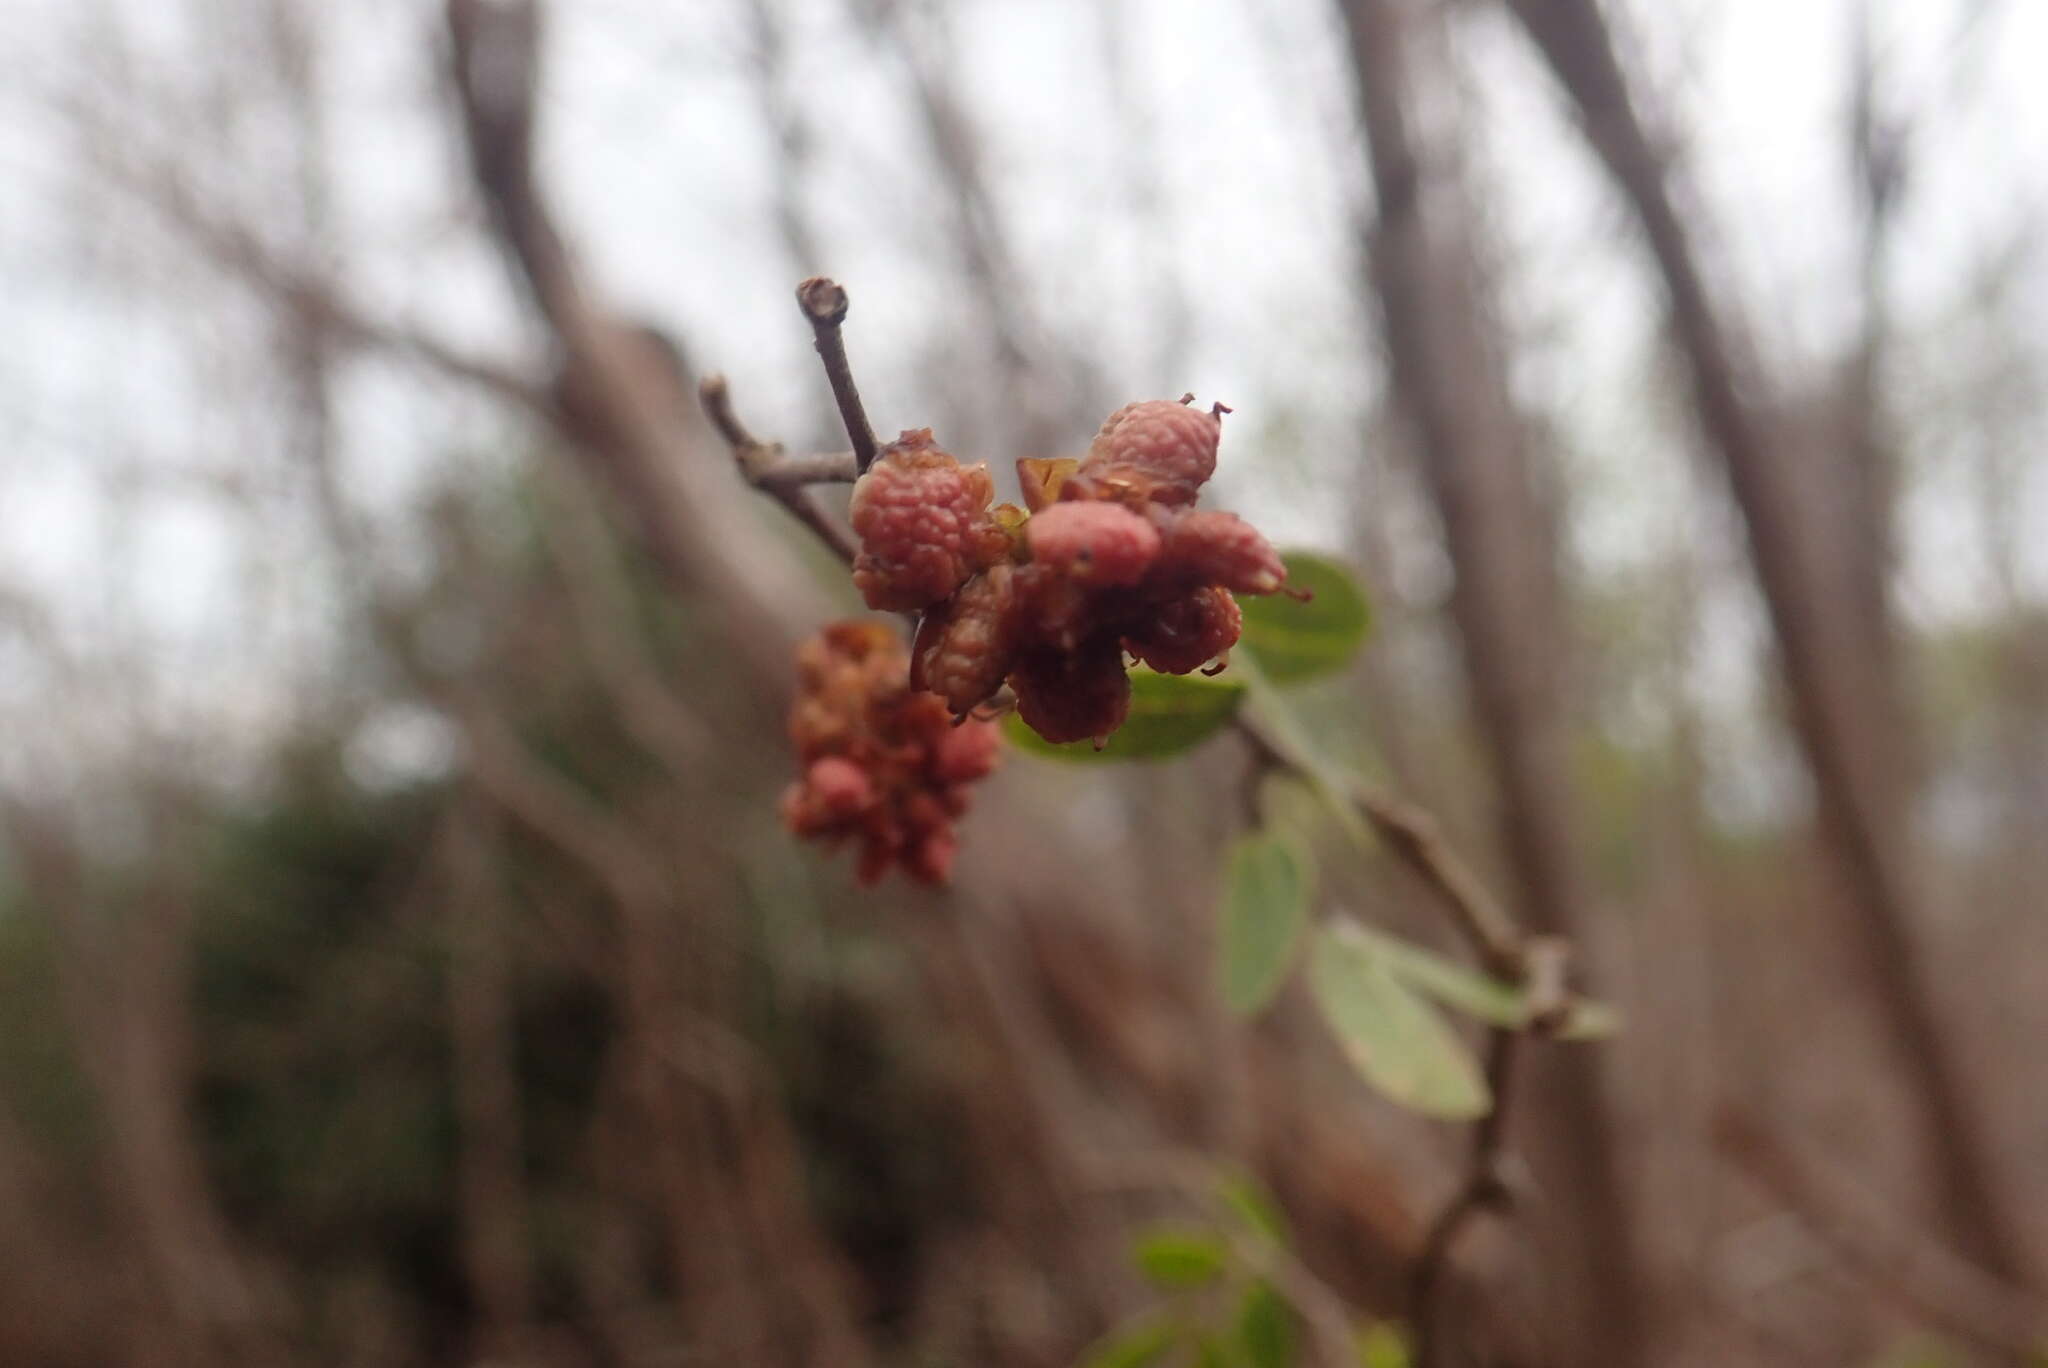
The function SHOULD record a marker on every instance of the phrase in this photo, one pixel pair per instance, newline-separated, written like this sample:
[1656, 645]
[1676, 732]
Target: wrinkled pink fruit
[1101, 543]
[966, 753]
[923, 523]
[839, 787]
[1205, 547]
[1075, 695]
[1187, 633]
[1168, 442]
[963, 646]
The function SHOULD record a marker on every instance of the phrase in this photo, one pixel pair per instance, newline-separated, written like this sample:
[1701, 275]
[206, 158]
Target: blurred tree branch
[1840, 706]
[1451, 386]
[1862, 1230]
[627, 398]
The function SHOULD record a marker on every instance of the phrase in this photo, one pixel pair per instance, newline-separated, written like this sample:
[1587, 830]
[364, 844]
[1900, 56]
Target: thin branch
[1413, 835]
[1481, 1190]
[782, 478]
[1540, 964]
[824, 303]
[768, 464]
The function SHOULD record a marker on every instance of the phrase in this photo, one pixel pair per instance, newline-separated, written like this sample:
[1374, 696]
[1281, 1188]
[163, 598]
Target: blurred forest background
[400, 958]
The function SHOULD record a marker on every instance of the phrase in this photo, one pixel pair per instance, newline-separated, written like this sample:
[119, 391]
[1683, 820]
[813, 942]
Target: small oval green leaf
[1169, 714]
[1176, 1257]
[1294, 640]
[1265, 1328]
[1382, 1345]
[1476, 993]
[1468, 990]
[1265, 907]
[1394, 1037]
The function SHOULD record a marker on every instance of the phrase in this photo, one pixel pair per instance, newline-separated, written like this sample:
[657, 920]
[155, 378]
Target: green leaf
[1475, 992]
[1133, 1347]
[1169, 714]
[1327, 780]
[1265, 907]
[1176, 1257]
[1451, 983]
[1394, 1037]
[1382, 1345]
[1260, 1214]
[1294, 640]
[1265, 1328]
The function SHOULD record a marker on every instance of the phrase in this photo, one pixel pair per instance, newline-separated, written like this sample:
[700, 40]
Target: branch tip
[824, 303]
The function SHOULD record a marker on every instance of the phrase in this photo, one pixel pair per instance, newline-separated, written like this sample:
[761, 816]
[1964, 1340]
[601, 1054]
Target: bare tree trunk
[123, 984]
[1840, 706]
[635, 416]
[1449, 381]
[489, 1168]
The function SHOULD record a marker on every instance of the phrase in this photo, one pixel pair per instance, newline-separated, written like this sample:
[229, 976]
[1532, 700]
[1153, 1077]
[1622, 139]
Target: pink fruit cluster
[924, 525]
[1112, 559]
[881, 764]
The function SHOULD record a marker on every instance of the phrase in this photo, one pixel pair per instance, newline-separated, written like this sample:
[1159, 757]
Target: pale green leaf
[1382, 1345]
[1265, 1328]
[1175, 1257]
[1394, 1037]
[1293, 640]
[1265, 907]
[1477, 993]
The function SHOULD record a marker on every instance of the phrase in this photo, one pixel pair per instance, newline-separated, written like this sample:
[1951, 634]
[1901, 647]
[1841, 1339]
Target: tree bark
[1449, 381]
[1840, 705]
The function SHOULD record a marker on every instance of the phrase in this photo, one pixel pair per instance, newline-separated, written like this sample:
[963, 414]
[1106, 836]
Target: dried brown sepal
[1041, 477]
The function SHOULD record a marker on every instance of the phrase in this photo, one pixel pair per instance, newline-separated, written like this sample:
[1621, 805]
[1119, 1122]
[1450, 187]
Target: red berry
[923, 523]
[1187, 633]
[839, 787]
[964, 645]
[930, 860]
[1076, 695]
[966, 753]
[1171, 444]
[882, 764]
[1102, 543]
[1207, 547]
